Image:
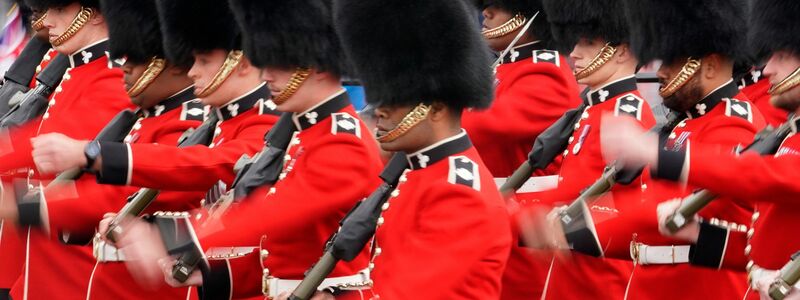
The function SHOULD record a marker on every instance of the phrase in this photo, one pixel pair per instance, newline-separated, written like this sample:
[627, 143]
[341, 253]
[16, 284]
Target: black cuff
[82, 239]
[216, 281]
[115, 163]
[708, 251]
[578, 230]
[670, 164]
[29, 209]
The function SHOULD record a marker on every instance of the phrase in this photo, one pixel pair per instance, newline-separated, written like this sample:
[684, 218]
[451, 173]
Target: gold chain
[154, 69]
[38, 24]
[77, 24]
[411, 119]
[687, 72]
[298, 78]
[508, 27]
[786, 84]
[231, 62]
[598, 61]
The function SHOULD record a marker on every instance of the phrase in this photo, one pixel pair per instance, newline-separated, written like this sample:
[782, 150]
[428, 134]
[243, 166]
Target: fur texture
[571, 20]
[133, 29]
[774, 26]
[196, 25]
[45, 4]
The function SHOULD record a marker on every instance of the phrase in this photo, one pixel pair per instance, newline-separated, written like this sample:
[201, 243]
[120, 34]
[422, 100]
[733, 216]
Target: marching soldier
[445, 234]
[331, 163]
[89, 95]
[534, 86]
[698, 52]
[163, 91]
[767, 182]
[755, 85]
[605, 63]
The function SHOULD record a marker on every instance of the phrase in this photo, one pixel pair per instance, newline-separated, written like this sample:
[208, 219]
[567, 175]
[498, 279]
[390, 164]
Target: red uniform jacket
[196, 168]
[89, 95]
[332, 163]
[722, 120]
[534, 87]
[756, 86]
[445, 234]
[767, 182]
[583, 164]
[73, 218]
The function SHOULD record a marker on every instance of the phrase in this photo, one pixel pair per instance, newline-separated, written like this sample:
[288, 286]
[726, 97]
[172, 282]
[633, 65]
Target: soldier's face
[57, 22]
[780, 65]
[388, 117]
[583, 54]
[688, 95]
[131, 73]
[494, 17]
[205, 67]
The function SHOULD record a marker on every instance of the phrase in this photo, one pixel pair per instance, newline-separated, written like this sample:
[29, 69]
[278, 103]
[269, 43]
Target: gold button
[385, 206]
[282, 176]
[577, 125]
[644, 186]
[380, 221]
[747, 250]
[66, 76]
[566, 152]
[571, 139]
[395, 193]
[750, 265]
[59, 89]
[46, 116]
[272, 190]
[378, 251]
[755, 216]
[750, 233]
[371, 266]
[672, 135]
[263, 253]
[287, 157]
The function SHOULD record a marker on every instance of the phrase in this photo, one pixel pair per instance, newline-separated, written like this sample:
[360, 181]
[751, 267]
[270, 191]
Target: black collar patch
[612, 90]
[322, 111]
[243, 104]
[441, 150]
[171, 103]
[729, 90]
[89, 54]
[520, 53]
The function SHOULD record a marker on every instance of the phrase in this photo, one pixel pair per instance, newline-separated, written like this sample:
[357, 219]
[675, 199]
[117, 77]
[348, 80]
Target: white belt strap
[660, 255]
[534, 184]
[104, 252]
[357, 281]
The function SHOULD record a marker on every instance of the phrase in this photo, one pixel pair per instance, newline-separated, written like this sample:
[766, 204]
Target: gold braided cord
[298, 78]
[786, 84]
[77, 24]
[604, 56]
[508, 27]
[231, 62]
[416, 115]
[38, 24]
[687, 72]
[149, 75]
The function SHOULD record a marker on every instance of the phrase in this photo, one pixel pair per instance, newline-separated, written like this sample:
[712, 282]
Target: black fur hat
[774, 26]
[133, 29]
[45, 4]
[675, 29]
[571, 20]
[540, 27]
[290, 34]
[407, 52]
[196, 25]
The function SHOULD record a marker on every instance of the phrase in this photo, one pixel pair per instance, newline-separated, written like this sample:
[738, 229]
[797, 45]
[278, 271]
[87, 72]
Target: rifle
[790, 274]
[355, 230]
[139, 201]
[34, 102]
[21, 72]
[766, 142]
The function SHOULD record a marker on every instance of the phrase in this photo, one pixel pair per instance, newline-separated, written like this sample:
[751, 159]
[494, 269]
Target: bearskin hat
[774, 26]
[45, 4]
[540, 27]
[196, 25]
[133, 29]
[571, 20]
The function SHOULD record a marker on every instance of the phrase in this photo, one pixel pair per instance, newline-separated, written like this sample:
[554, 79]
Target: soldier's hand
[541, 228]
[167, 263]
[317, 296]
[102, 228]
[55, 152]
[141, 243]
[624, 141]
[690, 232]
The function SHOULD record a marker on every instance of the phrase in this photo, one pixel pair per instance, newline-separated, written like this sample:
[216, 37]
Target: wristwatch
[91, 151]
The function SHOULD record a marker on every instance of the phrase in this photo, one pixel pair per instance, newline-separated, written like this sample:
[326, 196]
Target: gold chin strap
[231, 62]
[598, 61]
[38, 24]
[687, 72]
[298, 78]
[150, 74]
[411, 119]
[786, 84]
[77, 24]
[508, 27]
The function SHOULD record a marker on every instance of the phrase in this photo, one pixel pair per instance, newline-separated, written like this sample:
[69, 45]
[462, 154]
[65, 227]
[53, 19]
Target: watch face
[93, 149]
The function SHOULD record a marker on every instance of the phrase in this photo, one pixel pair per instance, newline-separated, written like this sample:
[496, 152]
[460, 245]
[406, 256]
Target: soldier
[767, 182]
[163, 91]
[89, 95]
[445, 233]
[698, 52]
[331, 163]
[534, 86]
[605, 63]
[755, 85]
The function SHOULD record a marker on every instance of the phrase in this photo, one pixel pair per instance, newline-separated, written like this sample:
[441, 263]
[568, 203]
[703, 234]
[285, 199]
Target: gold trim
[786, 84]
[298, 78]
[604, 56]
[149, 75]
[411, 119]
[231, 62]
[77, 24]
[508, 27]
[687, 72]
[38, 24]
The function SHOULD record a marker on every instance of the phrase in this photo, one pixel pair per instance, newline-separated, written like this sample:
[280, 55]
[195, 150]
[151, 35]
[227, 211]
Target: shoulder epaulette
[629, 104]
[464, 171]
[193, 110]
[345, 123]
[546, 56]
[739, 108]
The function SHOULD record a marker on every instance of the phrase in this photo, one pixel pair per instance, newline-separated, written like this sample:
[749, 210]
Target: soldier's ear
[97, 18]
[715, 65]
[438, 111]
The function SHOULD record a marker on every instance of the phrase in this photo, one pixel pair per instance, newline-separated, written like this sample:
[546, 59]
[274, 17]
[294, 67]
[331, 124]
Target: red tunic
[756, 86]
[446, 233]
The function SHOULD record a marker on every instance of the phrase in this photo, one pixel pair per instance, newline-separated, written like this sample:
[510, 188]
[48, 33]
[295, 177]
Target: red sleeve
[194, 168]
[449, 238]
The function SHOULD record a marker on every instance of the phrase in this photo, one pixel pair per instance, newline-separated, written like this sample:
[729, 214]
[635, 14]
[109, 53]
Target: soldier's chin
[788, 101]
